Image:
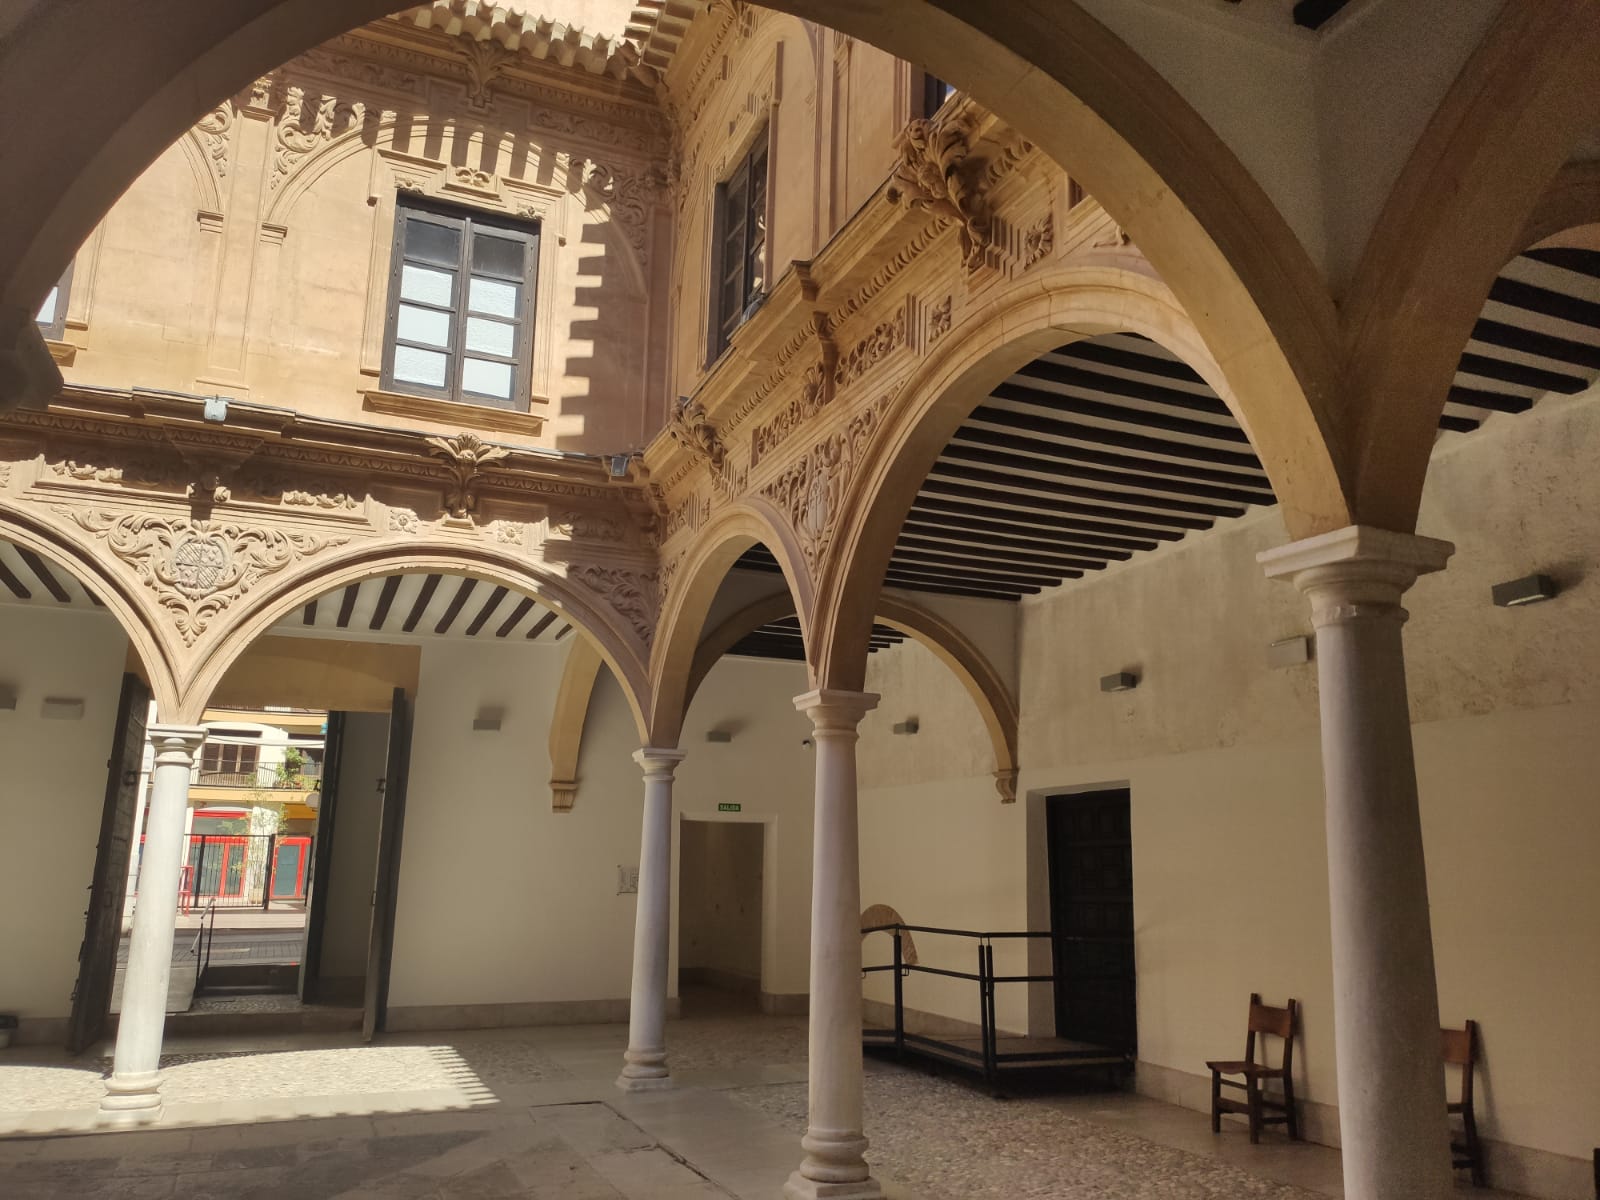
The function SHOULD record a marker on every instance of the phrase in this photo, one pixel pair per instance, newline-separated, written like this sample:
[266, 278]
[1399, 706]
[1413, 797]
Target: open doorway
[720, 880]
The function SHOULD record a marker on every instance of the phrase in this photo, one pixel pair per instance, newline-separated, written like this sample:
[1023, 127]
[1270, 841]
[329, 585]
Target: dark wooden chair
[1460, 1048]
[1260, 1106]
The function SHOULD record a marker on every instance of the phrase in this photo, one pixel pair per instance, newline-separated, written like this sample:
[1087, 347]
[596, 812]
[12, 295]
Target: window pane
[423, 325]
[486, 378]
[427, 285]
[493, 297]
[47, 314]
[497, 256]
[426, 367]
[432, 242]
[491, 337]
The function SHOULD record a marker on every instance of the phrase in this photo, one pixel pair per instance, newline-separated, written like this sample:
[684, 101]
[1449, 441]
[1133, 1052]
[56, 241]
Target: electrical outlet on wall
[627, 880]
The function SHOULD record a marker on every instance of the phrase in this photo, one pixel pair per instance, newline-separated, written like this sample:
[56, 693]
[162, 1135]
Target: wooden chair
[1460, 1048]
[1260, 1107]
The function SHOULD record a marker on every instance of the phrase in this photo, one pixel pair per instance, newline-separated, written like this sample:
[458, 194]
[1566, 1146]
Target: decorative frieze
[885, 338]
[294, 138]
[693, 429]
[465, 455]
[1039, 240]
[816, 390]
[196, 568]
[633, 593]
[932, 174]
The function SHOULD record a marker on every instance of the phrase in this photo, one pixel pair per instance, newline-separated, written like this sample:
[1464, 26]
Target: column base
[645, 1083]
[131, 1100]
[801, 1188]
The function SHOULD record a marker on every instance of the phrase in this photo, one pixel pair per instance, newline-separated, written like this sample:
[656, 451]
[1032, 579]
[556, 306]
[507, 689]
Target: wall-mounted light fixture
[617, 464]
[1289, 652]
[488, 720]
[215, 409]
[719, 735]
[1528, 590]
[1122, 681]
[8, 698]
[909, 726]
[57, 708]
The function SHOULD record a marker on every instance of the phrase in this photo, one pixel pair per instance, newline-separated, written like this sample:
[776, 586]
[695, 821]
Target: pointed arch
[259, 612]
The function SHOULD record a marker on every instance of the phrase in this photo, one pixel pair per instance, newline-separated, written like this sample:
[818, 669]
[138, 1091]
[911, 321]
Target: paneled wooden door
[1091, 906]
[386, 884]
[322, 857]
[97, 955]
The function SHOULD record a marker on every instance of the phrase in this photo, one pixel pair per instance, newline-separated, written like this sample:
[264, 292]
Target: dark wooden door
[386, 884]
[322, 856]
[1091, 905]
[97, 955]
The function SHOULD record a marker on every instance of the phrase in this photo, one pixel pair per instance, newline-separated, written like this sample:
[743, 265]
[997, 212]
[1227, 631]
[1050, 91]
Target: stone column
[833, 1165]
[1385, 999]
[644, 1066]
[133, 1093]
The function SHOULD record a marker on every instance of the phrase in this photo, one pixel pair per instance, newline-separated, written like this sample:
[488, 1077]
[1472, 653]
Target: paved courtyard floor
[533, 1113]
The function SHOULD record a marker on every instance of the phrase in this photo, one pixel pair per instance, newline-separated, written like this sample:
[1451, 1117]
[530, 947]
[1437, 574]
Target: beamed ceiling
[1110, 447]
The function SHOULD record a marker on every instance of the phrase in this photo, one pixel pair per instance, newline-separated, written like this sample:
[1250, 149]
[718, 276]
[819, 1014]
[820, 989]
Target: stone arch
[1481, 172]
[977, 676]
[567, 723]
[693, 586]
[881, 914]
[144, 630]
[255, 614]
[1072, 302]
[1054, 72]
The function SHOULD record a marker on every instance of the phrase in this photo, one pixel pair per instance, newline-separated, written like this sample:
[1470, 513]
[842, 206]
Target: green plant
[288, 771]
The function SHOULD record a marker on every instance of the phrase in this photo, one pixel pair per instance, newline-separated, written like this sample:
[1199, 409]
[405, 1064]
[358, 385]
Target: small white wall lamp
[59, 708]
[909, 726]
[1122, 681]
[488, 720]
[719, 735]
[1289, 652]
[1530, 589]
[8, 698]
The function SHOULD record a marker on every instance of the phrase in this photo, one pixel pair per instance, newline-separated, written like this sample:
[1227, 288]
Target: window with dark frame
[52, 318]
[741, 259]
[935, 92]
[222, 758]
[460, 320]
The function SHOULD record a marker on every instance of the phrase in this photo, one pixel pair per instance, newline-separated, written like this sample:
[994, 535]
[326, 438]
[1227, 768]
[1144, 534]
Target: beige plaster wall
[1223, 759]
[503, 901]
[52, 796]
[364, 761]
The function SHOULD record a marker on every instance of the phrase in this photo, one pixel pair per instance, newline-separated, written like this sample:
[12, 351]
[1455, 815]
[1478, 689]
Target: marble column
[133, 1093]
[644, 1066]
[833, 1165]
[1395, 1142]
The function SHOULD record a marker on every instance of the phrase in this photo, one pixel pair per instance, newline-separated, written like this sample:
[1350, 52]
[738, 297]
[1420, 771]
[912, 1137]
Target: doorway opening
[720, 881]
[1091, 917]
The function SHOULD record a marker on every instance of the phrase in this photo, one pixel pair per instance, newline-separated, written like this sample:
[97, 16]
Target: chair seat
[1245, 1068]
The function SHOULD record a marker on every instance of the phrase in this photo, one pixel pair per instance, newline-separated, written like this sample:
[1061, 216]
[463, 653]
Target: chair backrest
[1460, 1049]
[1279, 1022]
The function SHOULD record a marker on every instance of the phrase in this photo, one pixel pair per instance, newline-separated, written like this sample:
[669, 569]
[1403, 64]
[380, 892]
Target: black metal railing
[987, 1056]
[244, 870]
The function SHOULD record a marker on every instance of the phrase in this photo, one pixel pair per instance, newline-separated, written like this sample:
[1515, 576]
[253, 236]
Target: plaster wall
[52, 796]
[364, 761]
[1223, 760]
[503, 901]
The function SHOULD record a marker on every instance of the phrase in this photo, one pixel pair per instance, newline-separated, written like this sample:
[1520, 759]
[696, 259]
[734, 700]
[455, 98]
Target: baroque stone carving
[812, 489]
[939, 320]
[294, 139]
[931, 175]
[465, 454]
[196, 568]
[692, 429]
[627, 197]
[587, 526]
[816, 390]
[215, 130]
[887, 337]
[1039, 242]
[632, 593]
[484, 60]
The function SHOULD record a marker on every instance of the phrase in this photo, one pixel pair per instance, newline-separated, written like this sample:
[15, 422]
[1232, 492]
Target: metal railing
[244, 870]
[987, 1057]
[265, 779]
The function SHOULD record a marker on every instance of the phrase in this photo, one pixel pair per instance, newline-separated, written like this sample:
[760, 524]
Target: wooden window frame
[468, 222]
[753, 165]
[214, 758]
[56, 328]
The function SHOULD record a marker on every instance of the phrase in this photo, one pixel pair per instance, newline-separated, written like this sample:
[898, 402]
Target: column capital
[175, 745]
[1356, 571]
[833, 709]
[658, 762]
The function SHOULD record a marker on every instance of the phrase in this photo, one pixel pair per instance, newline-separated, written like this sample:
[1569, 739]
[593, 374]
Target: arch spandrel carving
[208, 535]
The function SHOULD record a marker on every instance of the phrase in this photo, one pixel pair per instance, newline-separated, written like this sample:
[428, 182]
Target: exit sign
[730, 808]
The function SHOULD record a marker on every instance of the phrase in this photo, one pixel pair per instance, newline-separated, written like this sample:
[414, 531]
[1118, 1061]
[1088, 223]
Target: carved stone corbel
[932, 175]
[465, 454]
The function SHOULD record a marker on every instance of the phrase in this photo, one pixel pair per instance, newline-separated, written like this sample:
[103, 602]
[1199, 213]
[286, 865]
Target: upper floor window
[460, 321]
[224, 758]
[740, 262]
[935, 92]
[52, 316]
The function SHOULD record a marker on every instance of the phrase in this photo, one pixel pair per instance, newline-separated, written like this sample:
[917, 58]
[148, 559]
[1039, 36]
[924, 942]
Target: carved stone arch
[1570, 202]
[585, 607]
[578, 677]
[207, 182]
[977, 675]
[692, 584]
[1071, 302]
[875, 915]
[1483, 169]
[149, 637]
